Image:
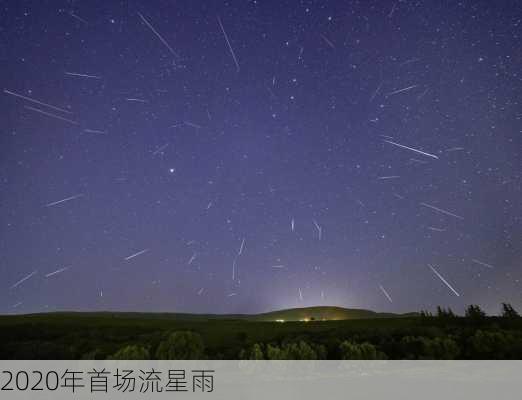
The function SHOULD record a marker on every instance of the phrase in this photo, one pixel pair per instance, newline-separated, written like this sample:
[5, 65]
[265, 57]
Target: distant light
[280, 320]
[172, 170]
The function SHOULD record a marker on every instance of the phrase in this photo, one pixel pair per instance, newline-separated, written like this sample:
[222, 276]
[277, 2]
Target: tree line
[476, 336]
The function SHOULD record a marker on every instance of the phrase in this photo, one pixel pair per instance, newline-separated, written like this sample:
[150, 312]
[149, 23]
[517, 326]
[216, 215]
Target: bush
[274, 353]
[475, 312]
[424, 348]
[182, 345]
[299, 351]
[491, 345]
[95, 354]
[289, 351]
[255, 353]
[508, 311]
[362, 351]
[132, 352]
[445, 313]
[442, 348]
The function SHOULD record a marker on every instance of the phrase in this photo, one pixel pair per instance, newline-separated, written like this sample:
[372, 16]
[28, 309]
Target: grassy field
[99, 335]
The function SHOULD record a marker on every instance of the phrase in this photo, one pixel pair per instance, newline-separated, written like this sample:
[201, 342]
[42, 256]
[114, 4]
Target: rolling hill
[319, 313]
[323, 313]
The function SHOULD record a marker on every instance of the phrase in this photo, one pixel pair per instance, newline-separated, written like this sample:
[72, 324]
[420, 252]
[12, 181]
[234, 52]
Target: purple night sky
[244, 156]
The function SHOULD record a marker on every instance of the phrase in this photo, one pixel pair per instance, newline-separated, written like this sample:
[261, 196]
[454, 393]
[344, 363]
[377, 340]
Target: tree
[95, 354]
[444, 313]
[475, 312]
[131, 352]
[299, 351]
[182, 345]
[495, 345]
[288, 351]
[508, 311]
[442, 348]
[254, 353]
[322, 353]
[291, 351]
[363, 351]
[274, 353]
[413, 347]
[424, 348]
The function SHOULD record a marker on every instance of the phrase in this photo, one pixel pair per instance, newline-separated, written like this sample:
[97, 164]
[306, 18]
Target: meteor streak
[412, 149]
[444, 280]
[136, 254]
[64, 200]
[23, 279]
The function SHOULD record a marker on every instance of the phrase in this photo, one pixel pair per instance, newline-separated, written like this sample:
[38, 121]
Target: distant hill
[323, 313]
[319, 313]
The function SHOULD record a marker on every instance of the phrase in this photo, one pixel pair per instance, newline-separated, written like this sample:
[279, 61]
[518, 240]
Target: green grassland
[69, 335]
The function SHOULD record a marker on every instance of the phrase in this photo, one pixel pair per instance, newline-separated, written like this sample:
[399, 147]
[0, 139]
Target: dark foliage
[508, 311]
[124, 336]
[474, 312]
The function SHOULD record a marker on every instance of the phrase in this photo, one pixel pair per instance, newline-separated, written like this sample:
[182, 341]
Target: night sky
[245, 156]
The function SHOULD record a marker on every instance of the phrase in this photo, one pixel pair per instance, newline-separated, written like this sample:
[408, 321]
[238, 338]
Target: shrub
[475, 312]
[424, 348]
[491, 344]
[445, 313]
[132, 352]
[508, 311]
[254, 353]
[299, 351]
[442, 348]
[362, 351]
[182, 345]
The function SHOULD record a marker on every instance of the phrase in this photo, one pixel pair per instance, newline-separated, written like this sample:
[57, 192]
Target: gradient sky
[185, 136]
